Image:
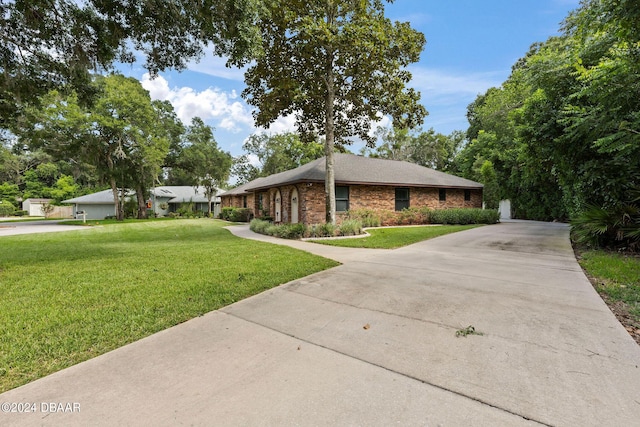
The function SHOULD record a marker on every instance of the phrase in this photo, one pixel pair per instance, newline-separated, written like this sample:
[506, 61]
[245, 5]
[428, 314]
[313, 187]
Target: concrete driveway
[373, 342]
[11, 228]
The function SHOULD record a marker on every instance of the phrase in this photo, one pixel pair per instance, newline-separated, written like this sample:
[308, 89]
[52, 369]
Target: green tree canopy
[563, 132]
[426, 148]
[281, 152]
[336, 65]
[49, 44]
[120, 135]
[201, 162]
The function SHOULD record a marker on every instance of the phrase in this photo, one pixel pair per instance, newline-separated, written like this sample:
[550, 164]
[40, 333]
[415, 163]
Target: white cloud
[383, 121]
[253, 160]
[209, 104]
[288, 124]
[417, 19]
[281, 125]
[216, 66]
[448, 88]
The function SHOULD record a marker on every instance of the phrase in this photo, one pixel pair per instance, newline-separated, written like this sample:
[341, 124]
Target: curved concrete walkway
[373, 342]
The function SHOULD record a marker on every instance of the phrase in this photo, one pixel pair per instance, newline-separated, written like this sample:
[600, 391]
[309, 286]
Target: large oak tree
[336, 65]
[121, 135]
[202, 163]
[53, 44]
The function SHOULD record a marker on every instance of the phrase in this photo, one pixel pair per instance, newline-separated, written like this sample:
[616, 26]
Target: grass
[94, 222]
[618, 277]
[469, 330]
[68, 297]
[395, 237]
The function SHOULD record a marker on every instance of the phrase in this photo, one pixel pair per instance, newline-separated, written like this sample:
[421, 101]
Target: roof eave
[380, 184]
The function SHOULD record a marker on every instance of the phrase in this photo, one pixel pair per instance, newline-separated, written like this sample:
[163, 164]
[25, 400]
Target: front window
[467, 195]
[342, 199]
[443, 194]
[402, 198]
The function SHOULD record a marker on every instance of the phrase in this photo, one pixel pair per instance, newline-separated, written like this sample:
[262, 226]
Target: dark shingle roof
[176, 194]
[352, 169]
[104, 197]
[241, 190]
[184, 194]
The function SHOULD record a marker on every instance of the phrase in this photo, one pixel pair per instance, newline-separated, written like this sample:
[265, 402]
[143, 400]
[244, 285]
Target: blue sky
[471, 46]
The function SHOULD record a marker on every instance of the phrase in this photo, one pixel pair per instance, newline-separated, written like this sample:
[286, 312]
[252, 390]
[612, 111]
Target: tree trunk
[116, 199]
[114, 190]
[329, 182]
[142, 203]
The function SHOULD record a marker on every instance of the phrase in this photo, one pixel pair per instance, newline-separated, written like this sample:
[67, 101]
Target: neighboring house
[96, 205]
[298, 195]
[167, 198]
[33, 207]
[241, 197]
[162, 201]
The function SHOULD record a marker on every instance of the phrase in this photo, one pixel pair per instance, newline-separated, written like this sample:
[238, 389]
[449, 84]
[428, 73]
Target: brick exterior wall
[231, 201]
[383, 198]
[311, 205]
[239, 201]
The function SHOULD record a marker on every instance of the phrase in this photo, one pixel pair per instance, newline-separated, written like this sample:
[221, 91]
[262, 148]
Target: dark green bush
[236, 214]
[297, 231]
[320, 230]
[412, 216]
[407, 216]
[259, 226]
[464, 216]
[315, 230]
[284, 231]
[186, 210]
[617, 227]
[225, 213]
[350, 227]
[290, 231]
[328, 230]
[6, 208]
[367, 217]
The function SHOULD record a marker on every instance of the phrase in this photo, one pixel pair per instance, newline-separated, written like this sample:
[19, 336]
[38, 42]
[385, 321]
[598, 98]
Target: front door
[294, 206]
[278, 206]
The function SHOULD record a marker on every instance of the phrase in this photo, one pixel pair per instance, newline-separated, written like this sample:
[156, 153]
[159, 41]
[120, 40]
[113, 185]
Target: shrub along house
[298, 195]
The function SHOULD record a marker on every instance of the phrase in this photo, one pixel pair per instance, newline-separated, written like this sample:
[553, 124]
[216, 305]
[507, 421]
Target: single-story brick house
[162, 201]
[298, 195]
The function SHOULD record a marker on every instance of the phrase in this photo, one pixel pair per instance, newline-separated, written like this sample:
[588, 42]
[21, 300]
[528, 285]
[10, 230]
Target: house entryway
[278, 206]
[294, 206]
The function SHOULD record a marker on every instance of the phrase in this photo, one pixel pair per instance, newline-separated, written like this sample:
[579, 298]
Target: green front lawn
[395, 237]
[22, 219]
[617, 277]
[68, 297]
[93, 222]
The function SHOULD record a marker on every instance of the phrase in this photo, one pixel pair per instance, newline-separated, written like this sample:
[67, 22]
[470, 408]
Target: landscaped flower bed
[355, 221]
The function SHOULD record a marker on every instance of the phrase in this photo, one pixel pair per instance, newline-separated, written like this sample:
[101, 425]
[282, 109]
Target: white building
[34, 206]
